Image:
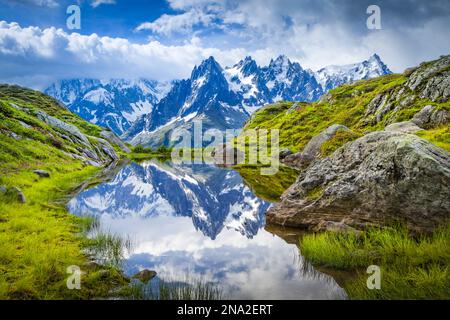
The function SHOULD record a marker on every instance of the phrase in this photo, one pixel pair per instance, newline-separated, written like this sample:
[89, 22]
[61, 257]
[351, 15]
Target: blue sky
[164, 39]
[115, 19]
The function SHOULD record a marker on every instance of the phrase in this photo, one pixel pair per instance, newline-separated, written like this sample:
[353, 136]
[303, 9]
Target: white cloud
[96, 3]
[40, 3]
[314, 33]
[180, 23]
[32, 56]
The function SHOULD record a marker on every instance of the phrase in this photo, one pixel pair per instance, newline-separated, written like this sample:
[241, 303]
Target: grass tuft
[412, 267]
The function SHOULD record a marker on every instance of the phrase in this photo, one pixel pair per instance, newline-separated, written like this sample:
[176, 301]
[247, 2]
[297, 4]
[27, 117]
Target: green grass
[267, 187]
[439, 136]
[411, 267]
[166, 289]
[109, 249]
[39, 239]
[338, 140]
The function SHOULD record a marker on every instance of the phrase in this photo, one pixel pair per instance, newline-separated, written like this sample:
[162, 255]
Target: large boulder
[312, 149]
[378, 179]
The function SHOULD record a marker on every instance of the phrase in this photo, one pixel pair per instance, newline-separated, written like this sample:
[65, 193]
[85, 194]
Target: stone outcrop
[63, 126]
[112, 138]
[432, 80]
[13, 192]
[375, 180]
[312, 149]
[429, 117]
[91, 149]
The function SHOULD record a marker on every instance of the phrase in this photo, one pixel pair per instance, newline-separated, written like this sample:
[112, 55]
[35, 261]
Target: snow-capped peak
[112, 103]
[333, 76]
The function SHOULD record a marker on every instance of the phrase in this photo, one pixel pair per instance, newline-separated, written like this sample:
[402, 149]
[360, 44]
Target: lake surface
[202, 221]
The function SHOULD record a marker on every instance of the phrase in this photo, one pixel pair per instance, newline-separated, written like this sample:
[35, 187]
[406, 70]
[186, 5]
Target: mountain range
[213, 198]
[114, 104]
[149, 112]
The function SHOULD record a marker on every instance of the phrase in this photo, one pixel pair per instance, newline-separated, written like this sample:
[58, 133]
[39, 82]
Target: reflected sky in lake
[204, 222]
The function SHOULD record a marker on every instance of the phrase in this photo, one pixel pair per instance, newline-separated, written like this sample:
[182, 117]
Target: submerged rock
[145, 275]
[377, 179]
[227, 156]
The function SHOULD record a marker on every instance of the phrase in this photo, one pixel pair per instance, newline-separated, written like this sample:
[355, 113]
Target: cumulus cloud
[33, 56]
[180, 23]
[40, 3]
[315, 33]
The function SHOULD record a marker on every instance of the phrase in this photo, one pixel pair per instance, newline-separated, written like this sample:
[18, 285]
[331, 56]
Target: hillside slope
[371, 153]
[45, 153]
[365, 106]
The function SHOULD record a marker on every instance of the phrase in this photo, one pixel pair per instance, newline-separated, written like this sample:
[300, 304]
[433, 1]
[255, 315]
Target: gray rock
[429, 117]
[18, 194]
[439, 117]
[292, 108]
[88, 153]
[42, 173]
[422, 117]
[112, 138]
[432, 80]
[339, 227]
[107, 149]
[228, 156]
[379, 178]
[92, 163]
[284, 153]
[145, 275]
[61, 125]
[23, 124]
[14, 135]
[312, 149]
[403, 127]
[3, 189]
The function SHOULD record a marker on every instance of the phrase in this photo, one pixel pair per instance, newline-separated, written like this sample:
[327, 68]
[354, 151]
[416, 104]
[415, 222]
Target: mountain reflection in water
[203, 221]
